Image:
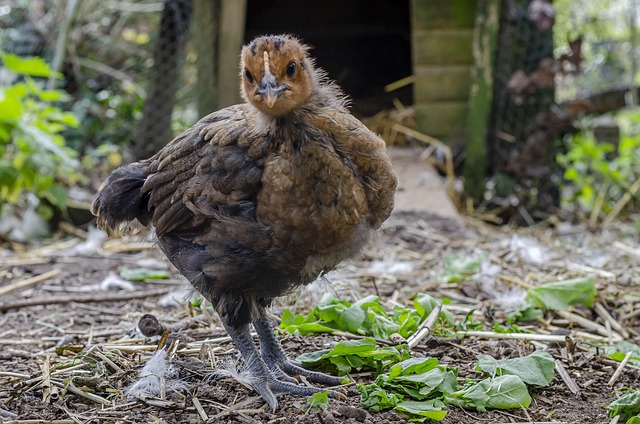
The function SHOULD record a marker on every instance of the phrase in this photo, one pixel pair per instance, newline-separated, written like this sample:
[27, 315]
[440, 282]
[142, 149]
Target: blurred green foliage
[597, 174]
[33, 155]
[608, 29]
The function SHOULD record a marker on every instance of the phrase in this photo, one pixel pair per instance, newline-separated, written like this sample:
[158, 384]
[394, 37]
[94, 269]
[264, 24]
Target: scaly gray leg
[276, 360]
[262, 380]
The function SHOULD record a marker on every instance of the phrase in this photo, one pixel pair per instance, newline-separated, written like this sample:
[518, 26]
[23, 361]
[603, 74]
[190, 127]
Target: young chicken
[261, 197]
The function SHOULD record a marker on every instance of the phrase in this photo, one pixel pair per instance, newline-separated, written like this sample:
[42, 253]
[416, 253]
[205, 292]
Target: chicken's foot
[262, 379]
[276, 360]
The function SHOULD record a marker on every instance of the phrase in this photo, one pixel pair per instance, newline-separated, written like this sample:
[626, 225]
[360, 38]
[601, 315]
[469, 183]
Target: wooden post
[481, 96]
[206, 14]
[230, 40]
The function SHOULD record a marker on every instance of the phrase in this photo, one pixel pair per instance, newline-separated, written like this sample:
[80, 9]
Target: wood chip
[620, 369]
[562, 371]
[198, 406]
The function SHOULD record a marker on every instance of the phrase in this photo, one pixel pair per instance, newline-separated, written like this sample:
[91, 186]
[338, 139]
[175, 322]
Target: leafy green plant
[418, 387]
[626, 406]
[353, 354]
[597, 175]
[554, 296]
[33, 155]
[459, 267]
[536, 369]
[561, 295]
[318, 402]
[421, 387]
[365, 317]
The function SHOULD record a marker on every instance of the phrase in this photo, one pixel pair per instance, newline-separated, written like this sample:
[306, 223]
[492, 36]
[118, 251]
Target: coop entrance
[362, 44]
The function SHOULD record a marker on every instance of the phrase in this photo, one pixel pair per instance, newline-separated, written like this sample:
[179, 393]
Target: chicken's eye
[291, 69]
[248, 75]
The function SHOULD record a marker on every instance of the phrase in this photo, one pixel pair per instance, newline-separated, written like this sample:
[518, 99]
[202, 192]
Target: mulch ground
[69, 343]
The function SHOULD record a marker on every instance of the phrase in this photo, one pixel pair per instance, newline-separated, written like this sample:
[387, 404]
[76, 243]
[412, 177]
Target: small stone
[357, 414]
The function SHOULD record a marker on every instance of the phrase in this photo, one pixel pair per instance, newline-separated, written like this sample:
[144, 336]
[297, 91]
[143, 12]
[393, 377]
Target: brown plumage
[260, 197]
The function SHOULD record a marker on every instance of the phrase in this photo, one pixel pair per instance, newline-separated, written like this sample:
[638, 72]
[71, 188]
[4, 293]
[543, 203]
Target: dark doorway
[362, 44]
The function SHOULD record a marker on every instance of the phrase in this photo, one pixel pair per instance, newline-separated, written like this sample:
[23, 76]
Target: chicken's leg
[262, 380]
[276, 360]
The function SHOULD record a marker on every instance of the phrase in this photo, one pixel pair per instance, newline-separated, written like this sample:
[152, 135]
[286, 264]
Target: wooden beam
[206, 14]
[481, 95]
[231, 37]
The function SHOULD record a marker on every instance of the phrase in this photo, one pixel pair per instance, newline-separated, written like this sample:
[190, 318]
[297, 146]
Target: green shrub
[33, 155]
[596, 174]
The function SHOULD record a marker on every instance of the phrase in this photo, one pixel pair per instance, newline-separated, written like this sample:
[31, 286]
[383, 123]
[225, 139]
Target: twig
[425, 328]
[61, 42]
[30, 281]
[82, 298]
[514, 336]
[73, 389]
[400, 83]
[109, 362]
[11, 262]
[46, 380]
[589, 269]
[41, 421]
[620, 368]
[567, 378]
[584, 322]
[621, 203]
[515, 280]
[632, 314]
[606, 316]
[595, 212]
[198, 406]
[13, 374]
[626, 248]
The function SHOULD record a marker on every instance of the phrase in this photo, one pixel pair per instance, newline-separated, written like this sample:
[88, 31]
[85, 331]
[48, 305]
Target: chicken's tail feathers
[120, 198]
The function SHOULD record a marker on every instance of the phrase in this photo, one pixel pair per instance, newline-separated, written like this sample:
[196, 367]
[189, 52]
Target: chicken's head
[277, 74]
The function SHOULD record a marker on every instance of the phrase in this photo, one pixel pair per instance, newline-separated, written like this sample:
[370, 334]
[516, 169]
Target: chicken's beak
[270, 91]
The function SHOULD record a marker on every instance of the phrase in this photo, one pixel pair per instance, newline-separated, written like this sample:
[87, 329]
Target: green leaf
[33, 66]
[458, 267]
[376, 399]
[634, 420]
[504, 392]
[141, 274]
[350, 319]
[412, 366]
[423, 410]
[57, 195]
[526, 312]
[536, 369]
[318, 402]
[352, 354]
[627, 405]
[563, 294]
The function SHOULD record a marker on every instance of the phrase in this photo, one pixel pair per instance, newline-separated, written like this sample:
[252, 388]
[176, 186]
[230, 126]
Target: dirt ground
[69, 346]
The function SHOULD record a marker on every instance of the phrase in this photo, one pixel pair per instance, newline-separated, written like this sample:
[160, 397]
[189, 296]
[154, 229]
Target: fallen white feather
[529, 249]
[177, 297]
[230, 370]
[92, 244]
[111, 282]
[391, 267]
[150, 378]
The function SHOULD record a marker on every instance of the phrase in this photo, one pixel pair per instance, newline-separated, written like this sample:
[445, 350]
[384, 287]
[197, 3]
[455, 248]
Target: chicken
[258, 198]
